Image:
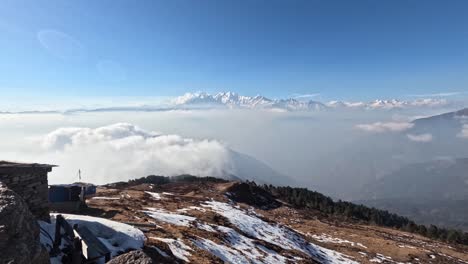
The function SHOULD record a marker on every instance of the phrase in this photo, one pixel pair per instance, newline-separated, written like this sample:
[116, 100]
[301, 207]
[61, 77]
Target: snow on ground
[405, 246]
[248, 247]
[162, 253]
[105, 198]
[380, 258]
[325, 238]
[155, 196]
[178, 248]
[238, 249]
[204, 226]
[168, 217]
[183, 210]
[116, 236]
[226, 254]
[275, 233]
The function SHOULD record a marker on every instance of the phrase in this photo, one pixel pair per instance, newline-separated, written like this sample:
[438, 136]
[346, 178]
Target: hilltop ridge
[209, 220]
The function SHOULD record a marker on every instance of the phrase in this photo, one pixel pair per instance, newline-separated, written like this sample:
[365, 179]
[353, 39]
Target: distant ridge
[231, 100]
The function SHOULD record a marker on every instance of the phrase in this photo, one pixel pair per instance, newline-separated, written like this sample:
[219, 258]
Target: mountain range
[234, 100]
[231, 100]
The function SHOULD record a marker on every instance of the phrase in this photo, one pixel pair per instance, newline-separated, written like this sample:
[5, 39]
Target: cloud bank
[381, 127]
[420, 138]
[441, 94]
[122, 151]
[464, 132]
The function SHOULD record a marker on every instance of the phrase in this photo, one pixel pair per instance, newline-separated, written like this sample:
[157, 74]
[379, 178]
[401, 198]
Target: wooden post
[76, 255]
[58, 236]
[107, 257]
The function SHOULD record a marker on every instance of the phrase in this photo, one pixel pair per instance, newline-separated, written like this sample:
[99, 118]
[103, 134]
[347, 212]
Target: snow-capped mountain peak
[193, 98]
[234, 100]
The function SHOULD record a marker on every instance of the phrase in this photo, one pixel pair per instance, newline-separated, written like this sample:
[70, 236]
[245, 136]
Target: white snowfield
[237, 247]
[117, 237]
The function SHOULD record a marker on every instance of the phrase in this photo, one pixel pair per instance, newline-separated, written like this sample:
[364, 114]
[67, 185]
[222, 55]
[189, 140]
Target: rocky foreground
[19, 231]
[217, 222]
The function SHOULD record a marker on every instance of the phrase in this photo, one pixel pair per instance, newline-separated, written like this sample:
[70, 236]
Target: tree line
[303, 198]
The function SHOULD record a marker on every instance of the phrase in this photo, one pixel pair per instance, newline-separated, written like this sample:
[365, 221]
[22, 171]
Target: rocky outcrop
[19, 231]
[133, 257]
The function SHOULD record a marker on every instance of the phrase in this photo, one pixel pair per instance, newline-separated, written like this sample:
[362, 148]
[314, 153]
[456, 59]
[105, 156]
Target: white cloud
[420, 137]
[429, 102]
[122, 151]
[442, 94]
[302, 96]
[464, 132]
[381, 127]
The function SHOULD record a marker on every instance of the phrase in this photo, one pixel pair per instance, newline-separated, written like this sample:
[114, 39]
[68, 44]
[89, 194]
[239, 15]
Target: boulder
[133, 257]
[19, 231]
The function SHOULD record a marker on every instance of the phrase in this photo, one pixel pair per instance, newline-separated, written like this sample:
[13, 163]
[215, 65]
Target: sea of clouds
[121, 151]
[315, 149]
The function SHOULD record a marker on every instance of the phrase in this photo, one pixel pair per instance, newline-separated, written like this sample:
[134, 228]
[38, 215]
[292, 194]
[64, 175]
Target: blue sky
[353, 50]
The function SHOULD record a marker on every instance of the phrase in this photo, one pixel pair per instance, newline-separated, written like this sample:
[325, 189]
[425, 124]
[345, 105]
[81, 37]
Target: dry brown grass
[400, 246]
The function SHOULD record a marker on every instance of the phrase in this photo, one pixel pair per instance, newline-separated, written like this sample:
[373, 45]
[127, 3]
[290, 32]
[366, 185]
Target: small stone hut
[29, 180]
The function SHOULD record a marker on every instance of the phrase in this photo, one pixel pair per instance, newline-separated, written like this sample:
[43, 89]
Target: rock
[133, 257]
[19, 231]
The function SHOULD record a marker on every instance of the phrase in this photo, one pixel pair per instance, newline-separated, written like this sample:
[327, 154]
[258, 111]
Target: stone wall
[31, 184]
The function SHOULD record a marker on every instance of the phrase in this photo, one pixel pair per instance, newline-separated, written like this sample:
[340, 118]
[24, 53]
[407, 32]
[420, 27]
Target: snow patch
[168, 217]
[183, 210]
[178, 248]
[162, 253]
[105, 198]
[226, 254]
[275, 233]
[117, 237]
[155, 196]
[325, 238]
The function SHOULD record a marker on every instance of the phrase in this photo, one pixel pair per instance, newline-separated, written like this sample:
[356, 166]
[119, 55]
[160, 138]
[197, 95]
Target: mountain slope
[444, 179]
[201, 220]
[430, 192]
[447, 125]
[248, 168]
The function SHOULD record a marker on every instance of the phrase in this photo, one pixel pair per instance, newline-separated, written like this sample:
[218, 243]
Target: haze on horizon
[124, 89]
